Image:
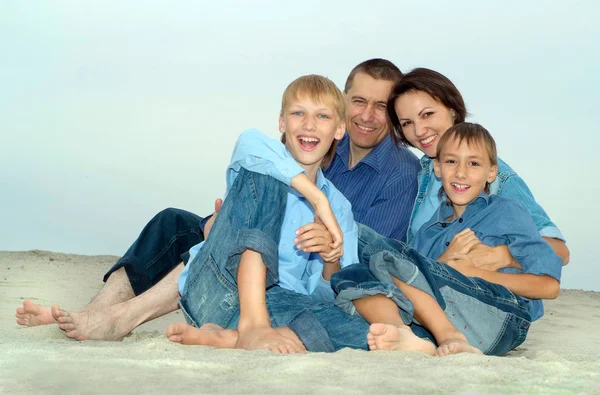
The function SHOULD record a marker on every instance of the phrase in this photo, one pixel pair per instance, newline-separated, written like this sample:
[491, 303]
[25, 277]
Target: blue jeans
[251, 218]
[162, 245]
[492, 318]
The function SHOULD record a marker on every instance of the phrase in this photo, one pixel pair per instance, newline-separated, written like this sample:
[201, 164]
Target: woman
[422, 106]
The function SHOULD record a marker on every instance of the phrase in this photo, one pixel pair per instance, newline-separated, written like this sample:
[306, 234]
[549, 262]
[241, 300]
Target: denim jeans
[492, 318]
[162, 245]
[251, 218]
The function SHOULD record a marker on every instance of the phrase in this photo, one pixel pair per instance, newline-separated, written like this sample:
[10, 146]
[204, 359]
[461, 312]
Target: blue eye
[324, 116]
[298, 113]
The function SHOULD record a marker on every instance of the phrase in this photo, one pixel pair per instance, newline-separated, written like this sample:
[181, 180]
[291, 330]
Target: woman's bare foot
[91, 325]
[455, 346]
[390, 337]
[207, 335]
[32, 314]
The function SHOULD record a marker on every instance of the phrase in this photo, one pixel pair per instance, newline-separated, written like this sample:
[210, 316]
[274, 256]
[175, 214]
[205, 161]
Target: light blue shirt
[298, 271]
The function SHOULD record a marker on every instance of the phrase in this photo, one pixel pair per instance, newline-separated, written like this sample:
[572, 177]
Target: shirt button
[283, 171]
[460, 220]
[284, 246]
[443, 225]
[293, 222]
[447, 243]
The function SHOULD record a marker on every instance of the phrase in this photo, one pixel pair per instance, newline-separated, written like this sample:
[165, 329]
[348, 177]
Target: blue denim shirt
[496, 220]
[381, 187]
[298, 271]
[507, 183]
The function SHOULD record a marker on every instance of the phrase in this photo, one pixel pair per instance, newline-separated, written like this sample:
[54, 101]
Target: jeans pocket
[209, 296]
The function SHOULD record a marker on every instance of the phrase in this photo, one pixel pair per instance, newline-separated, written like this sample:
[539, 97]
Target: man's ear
[493, 174]
[437, 168]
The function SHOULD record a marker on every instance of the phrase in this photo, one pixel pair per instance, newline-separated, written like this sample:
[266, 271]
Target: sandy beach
[560, 355]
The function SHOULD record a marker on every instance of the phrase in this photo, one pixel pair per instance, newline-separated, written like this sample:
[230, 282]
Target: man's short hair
[379, 69]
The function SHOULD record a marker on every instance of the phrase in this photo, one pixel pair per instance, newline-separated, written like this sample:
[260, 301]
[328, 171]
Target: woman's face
[423, 120]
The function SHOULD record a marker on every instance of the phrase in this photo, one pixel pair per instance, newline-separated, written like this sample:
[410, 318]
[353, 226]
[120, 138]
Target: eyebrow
[426, 108]
[365, 99]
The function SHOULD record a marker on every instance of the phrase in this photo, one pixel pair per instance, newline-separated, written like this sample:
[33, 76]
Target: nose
[420, 129]
[368, 113]
[309, 123]
[461, 171]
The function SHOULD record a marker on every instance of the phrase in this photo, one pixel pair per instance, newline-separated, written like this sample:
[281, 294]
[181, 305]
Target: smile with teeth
[428, 140]
[460, 187]
[308, 143]
[365, 128]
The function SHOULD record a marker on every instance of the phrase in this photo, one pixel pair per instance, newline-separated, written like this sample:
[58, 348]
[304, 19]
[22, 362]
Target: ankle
[450, 335]
[248, 324]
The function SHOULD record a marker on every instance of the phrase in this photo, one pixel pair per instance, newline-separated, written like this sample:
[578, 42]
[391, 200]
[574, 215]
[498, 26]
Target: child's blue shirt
[495, 220]
[298, 271]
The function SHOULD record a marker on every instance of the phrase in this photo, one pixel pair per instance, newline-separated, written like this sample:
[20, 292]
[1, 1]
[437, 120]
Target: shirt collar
[446, 211]
[376, 158]
[321, 183]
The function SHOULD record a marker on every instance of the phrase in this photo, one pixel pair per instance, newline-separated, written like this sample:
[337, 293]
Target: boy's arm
[256, 152]
[318, 200]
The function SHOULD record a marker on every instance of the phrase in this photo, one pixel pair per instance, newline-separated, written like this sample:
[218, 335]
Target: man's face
[366, 117]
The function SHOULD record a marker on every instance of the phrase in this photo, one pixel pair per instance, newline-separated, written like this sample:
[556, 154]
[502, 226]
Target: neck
[458, 211]
[311, 172]
[357, 154]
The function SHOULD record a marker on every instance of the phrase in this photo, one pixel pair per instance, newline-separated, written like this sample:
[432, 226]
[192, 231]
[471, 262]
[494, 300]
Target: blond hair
[320, 90]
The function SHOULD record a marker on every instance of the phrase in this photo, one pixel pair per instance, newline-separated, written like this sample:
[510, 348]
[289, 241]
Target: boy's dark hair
[320, 90]
[472, 134]
[379, 69]
[436, 85]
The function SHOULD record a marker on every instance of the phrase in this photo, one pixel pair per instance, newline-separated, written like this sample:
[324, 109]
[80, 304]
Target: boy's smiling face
[464, 169]
[310, 129]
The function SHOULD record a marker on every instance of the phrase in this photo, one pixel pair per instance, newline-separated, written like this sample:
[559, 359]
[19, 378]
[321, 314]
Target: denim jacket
[507, 183]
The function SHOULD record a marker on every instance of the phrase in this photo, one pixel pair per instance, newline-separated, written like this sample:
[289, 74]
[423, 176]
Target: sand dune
[559, 357]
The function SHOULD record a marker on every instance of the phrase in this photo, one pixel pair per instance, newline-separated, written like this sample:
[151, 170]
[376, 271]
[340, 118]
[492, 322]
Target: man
[377, 177]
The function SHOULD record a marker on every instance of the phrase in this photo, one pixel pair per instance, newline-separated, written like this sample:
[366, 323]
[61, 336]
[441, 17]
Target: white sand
[559, 357]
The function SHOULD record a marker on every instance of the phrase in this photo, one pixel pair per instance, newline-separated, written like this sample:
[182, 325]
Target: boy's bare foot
[32, 314]
[390, 337]
[268, 338]
[90, 325]
[455, 346]
[207, 335]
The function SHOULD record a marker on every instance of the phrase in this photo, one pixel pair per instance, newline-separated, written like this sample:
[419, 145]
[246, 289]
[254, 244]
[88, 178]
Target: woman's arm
[560, 247]
[523, 284]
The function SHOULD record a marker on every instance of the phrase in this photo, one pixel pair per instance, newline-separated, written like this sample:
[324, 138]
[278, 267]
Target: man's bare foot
[31, 314]
[90, 325]
[455, 346]
[207, 335]
[390, 337]
[270, 339]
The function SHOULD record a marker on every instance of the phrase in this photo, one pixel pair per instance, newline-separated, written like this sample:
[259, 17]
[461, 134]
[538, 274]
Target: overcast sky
[113, 110]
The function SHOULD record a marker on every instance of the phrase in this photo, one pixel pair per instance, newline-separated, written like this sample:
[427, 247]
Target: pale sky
[113, 110]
